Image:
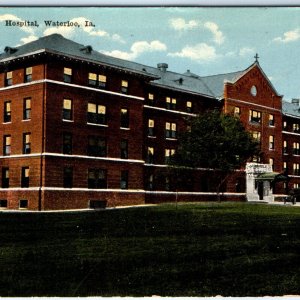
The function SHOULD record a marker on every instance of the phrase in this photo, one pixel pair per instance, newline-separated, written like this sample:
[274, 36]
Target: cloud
[289, 36]
[180, 24]
[245, 51]
[214, 29]
[9, 17]
[199, 52]
[29, 30]
[29, 39]
[137, 49]
[90, 30]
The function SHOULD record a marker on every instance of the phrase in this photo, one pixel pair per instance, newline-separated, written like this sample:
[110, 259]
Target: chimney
[296, 101]
[162, 67]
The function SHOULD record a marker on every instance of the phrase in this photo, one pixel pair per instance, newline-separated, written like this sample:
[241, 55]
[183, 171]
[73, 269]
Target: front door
[260, 190]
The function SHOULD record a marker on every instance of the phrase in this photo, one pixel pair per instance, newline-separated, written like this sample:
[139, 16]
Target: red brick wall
[267, 102]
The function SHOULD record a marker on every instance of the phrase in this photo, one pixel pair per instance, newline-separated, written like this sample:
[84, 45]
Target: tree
[217, 142]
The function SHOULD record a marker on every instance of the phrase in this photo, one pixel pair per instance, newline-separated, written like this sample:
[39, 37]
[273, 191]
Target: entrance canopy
[273, 177]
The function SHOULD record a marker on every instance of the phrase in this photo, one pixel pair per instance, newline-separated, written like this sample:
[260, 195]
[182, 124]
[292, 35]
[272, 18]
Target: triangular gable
[245, 72]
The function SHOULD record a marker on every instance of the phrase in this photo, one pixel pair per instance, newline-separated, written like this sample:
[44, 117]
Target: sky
[205, 40]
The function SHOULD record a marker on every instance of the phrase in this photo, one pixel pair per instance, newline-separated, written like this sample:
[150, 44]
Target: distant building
[79, 127]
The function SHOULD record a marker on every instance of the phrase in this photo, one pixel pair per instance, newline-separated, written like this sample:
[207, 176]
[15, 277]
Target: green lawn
[205, 249]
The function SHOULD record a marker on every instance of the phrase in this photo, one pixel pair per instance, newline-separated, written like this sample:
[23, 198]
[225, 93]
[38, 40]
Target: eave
[39, 53]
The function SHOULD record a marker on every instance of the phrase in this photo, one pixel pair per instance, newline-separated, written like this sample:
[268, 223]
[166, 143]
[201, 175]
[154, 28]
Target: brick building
[79, 127]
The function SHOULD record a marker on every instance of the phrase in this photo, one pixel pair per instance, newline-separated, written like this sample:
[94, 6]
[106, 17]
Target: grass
[205, 249]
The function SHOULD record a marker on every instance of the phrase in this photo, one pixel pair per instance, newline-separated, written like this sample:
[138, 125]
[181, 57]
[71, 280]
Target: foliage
[215, 141]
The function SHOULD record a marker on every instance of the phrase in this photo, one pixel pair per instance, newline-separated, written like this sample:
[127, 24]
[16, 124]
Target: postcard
[149, 151]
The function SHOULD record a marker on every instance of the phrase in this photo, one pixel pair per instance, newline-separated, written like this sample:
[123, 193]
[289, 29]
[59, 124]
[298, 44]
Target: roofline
[260, 68]
[181, 90]
[45, 50]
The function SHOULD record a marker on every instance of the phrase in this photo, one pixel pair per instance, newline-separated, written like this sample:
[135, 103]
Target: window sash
[68, 71]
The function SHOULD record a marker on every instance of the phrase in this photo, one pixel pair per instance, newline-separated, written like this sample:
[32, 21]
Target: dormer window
[8, 78]
[67, 75]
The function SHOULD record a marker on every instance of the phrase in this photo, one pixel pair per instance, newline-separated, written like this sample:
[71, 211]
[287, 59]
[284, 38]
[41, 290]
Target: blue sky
[205, 40]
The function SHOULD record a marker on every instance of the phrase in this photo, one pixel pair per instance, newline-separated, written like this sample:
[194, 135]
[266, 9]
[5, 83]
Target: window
[97, 179]
[150, 182]
[150, 99]
[296, 148]
[271, 142]
[124, 86]
[168, 154]
[189, 106]
[257, 136]
[101, 81]
[5, 177]
[8, 78]
[97, 146]
[167, 184]
[28, 74]
[296, 185]
[96, 114]
[124, 180]
[97, 80]
[255, 116]
[23, 204]
[3, 203]
[285, 147]
[284, 166]
[7, 145]
[271, 120]
[151, 127]
[67, 143]
[237, 111]
[150, 155]
[68, 177]
[26, 143]
[27, 109]
[296, 169]
[67, 109]
[170, 103]
[170, 130]
[256, 158]
[271, 162]
[67, 75]
[124, 149]
[124, 118]
[284, 125]
[7, 112]
[25, 177]
[92, 79]
[296, 128]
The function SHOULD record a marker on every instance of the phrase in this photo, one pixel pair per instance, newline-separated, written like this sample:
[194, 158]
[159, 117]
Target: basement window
[23, 204]
[3, 203]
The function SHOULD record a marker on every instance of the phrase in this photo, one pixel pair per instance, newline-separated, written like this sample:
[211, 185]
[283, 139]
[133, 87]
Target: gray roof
[291, 109]
[209, 86]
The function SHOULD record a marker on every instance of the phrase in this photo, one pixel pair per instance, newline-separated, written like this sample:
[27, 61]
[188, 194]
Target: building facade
[79, 128]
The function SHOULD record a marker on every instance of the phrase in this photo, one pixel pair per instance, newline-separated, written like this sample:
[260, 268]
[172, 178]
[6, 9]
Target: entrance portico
[260, 180]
